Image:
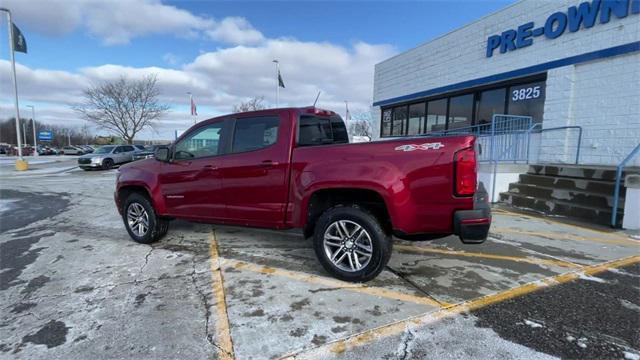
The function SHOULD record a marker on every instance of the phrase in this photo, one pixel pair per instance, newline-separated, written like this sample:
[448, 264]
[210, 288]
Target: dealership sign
[583, 16]
[45, 135]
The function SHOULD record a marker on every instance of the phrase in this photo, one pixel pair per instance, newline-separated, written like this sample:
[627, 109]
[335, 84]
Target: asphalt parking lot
[74, 286]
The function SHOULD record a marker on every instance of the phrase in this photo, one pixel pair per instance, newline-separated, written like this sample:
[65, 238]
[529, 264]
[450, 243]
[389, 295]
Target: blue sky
[220, 48]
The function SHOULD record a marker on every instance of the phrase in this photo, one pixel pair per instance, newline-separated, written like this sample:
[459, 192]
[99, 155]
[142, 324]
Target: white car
[72, 150]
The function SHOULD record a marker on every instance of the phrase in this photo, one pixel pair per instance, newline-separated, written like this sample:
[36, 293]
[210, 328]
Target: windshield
[104, 150]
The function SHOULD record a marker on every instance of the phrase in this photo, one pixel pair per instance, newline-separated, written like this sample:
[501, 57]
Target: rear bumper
[472, 226]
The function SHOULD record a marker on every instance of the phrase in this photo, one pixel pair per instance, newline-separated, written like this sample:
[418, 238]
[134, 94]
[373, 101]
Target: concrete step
[603, 187]
[607, 173]
[568, 209]
[574, 196]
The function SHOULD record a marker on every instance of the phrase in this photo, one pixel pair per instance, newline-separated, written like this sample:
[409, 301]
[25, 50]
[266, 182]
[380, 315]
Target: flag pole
[15, 82]
[277, 83]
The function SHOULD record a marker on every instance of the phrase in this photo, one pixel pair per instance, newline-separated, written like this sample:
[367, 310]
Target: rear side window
[128, 148]
[255, 133]
[339, 130]
[314, 130]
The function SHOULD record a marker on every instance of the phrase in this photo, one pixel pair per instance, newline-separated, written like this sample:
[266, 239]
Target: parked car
[147, 153]
[46, 150]
[294, 168]
[87, 149]
[106, 157]
[72, 150]
[139, 147]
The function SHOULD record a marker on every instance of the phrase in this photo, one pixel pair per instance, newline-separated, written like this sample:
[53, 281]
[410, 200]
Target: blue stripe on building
[531, 70]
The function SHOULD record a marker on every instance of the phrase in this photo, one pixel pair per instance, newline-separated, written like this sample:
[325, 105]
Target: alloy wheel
[348, 245]
[138, 219]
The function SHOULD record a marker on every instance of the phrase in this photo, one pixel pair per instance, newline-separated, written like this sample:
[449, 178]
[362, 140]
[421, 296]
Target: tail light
[465, 164]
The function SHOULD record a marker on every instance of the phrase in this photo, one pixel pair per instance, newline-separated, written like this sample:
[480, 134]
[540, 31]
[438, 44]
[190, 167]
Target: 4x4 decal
[425, 146]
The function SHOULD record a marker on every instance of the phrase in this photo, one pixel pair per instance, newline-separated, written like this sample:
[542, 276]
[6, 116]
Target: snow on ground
[631, 356]
[584, 276]
[6, 205]
[533, 324]
[34, 160]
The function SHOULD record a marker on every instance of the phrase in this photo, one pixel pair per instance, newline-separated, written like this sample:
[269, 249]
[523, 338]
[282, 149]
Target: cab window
[254, 133]
[200, 143]
[315, 130]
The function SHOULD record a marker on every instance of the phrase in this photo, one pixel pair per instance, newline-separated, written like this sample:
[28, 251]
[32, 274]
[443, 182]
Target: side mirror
[163, 153]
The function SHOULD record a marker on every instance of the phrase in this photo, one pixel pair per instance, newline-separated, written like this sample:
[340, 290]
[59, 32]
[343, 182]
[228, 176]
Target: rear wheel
[141, 221]
[351, 244]
[107, 164]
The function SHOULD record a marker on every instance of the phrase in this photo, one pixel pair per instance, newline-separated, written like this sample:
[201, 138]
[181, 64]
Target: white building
[562, 62]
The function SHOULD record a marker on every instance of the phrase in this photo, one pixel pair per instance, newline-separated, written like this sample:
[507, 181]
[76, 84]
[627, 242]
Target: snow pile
[533, 324]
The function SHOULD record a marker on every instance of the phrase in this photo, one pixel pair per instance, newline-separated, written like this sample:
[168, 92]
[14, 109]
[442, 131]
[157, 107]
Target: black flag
[280, 82]
[19, 43]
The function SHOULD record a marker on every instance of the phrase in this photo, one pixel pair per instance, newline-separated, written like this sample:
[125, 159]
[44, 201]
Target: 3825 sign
[528, 93]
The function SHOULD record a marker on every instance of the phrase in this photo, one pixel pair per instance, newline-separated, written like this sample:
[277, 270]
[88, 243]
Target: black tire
[381, 243]
[107, 164]
[157, 226]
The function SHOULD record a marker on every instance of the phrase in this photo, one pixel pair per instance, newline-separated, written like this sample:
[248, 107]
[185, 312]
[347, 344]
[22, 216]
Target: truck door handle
[269, 163]
[209, 168]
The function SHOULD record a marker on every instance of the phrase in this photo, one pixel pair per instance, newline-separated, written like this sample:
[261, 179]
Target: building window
[460, 112]
[489, 103]
[386, 123]
[436, 115]
[399, 120]
[416, 119]
[476, 107]
[527, 100]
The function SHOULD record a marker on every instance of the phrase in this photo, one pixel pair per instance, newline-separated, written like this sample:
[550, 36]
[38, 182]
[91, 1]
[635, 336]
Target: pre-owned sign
[575, 18]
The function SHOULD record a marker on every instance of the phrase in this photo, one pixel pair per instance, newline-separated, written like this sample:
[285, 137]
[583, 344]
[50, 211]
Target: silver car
[72, 150]
[106, 157]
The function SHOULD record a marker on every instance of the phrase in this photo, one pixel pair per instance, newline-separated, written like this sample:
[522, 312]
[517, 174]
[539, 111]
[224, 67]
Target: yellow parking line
[223, 332]
[368, 336]
[320, 280]
[617, 240]
[520, 259]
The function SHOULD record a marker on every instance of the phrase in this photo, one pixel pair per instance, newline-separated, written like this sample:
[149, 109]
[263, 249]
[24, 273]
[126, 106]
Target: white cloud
[222, 78]
[119, 21]
[218, 79]
[235, 30]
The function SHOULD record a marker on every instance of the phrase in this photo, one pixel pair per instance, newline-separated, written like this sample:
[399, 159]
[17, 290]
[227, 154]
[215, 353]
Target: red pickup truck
[294, 168]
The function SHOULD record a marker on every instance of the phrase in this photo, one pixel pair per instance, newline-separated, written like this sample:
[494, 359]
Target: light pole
[33, 123]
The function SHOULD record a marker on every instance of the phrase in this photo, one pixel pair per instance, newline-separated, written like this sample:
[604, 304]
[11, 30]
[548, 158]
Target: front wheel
[141, 221]
[107, 164]
[351, 244]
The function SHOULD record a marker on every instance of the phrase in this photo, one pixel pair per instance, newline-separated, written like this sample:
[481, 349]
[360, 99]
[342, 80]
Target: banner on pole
[19, 42]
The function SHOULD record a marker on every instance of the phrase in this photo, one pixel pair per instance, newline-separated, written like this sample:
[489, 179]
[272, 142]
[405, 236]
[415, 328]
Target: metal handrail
[534, 126]
[616, 191]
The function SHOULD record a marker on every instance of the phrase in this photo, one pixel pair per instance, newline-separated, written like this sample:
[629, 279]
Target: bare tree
[360, 125]
[123, 106]
[253, 104]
